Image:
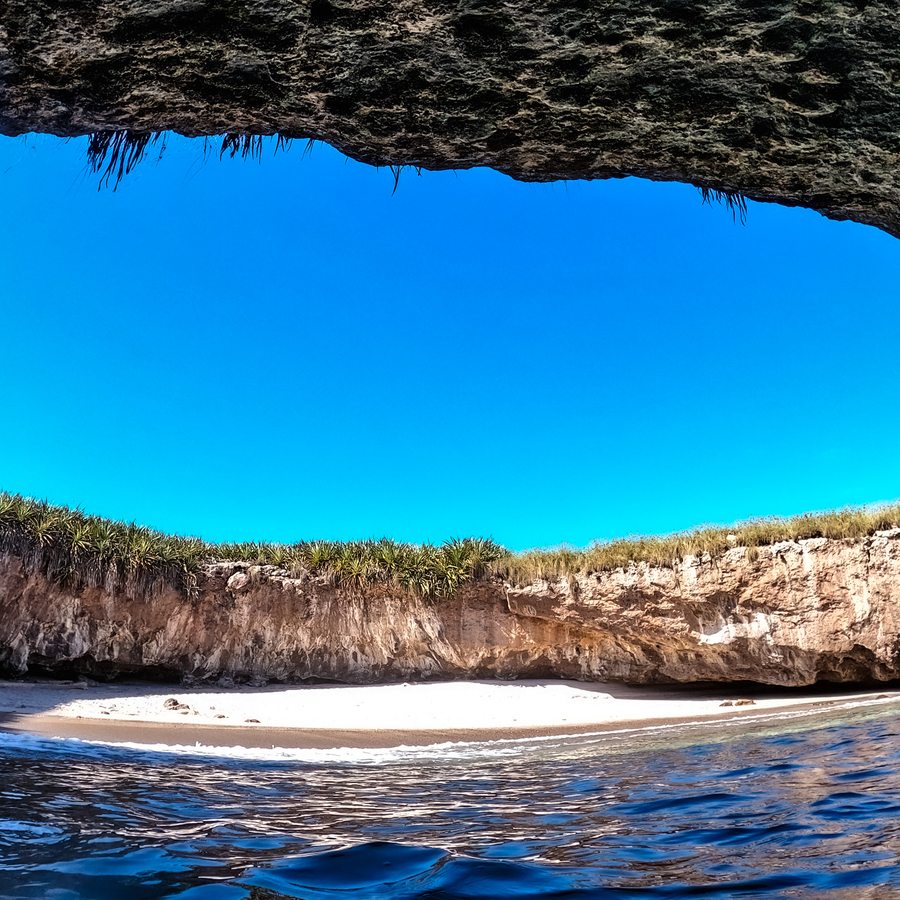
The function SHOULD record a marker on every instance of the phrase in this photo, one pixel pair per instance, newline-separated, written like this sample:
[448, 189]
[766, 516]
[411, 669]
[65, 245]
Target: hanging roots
[244, 145]
[734, 201]
[114, 154]
[396, 171]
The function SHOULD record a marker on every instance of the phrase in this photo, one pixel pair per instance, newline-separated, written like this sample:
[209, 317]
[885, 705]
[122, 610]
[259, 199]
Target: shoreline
[382, 716]
[162, 734]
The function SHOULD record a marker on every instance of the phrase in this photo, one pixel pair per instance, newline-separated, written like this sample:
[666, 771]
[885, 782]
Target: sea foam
[607, 740]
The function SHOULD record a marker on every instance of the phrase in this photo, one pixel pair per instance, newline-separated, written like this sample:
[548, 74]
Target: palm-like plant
[68, 546]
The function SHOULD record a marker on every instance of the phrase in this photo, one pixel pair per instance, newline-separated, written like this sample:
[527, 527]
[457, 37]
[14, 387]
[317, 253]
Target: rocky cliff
[796, 101]
[792, 614]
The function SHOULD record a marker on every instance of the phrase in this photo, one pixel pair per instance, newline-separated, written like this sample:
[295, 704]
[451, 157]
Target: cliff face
[789, 614]
[796, 101]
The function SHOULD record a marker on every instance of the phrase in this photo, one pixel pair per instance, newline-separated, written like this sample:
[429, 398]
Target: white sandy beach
[432, 710]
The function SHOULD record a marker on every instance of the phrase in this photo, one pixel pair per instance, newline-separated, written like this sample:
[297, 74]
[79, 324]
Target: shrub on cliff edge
[71, 548]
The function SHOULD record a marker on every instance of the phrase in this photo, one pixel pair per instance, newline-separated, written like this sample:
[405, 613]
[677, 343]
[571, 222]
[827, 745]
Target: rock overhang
[792, 101]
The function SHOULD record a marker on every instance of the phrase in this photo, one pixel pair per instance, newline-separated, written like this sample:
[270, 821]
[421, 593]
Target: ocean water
[789, 805]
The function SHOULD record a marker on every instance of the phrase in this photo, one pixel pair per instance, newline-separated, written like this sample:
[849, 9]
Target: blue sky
[286, 350]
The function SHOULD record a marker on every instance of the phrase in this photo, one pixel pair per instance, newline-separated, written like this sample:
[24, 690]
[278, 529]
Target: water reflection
[801, 812]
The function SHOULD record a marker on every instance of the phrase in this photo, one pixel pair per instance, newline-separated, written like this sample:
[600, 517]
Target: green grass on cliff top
[70, 547]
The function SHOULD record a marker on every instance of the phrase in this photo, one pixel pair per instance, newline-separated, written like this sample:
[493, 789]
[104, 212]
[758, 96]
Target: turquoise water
[797, 805]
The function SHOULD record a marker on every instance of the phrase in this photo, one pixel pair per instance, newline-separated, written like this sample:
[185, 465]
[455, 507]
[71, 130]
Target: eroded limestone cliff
[796, 101]
[790, 614]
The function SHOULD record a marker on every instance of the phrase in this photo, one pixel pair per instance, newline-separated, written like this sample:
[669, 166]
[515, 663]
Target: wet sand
[150, 733]
[376, 716]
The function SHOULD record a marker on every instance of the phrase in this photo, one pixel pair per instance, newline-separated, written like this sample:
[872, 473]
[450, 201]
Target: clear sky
[284, 350]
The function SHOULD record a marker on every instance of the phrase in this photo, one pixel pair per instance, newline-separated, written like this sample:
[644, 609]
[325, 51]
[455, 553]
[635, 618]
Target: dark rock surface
[796, 101]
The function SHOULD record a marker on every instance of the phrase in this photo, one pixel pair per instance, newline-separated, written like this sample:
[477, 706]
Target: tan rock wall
[793, 613]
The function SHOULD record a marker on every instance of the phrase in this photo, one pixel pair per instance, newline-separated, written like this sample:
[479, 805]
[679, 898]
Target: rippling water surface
[787, 806]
